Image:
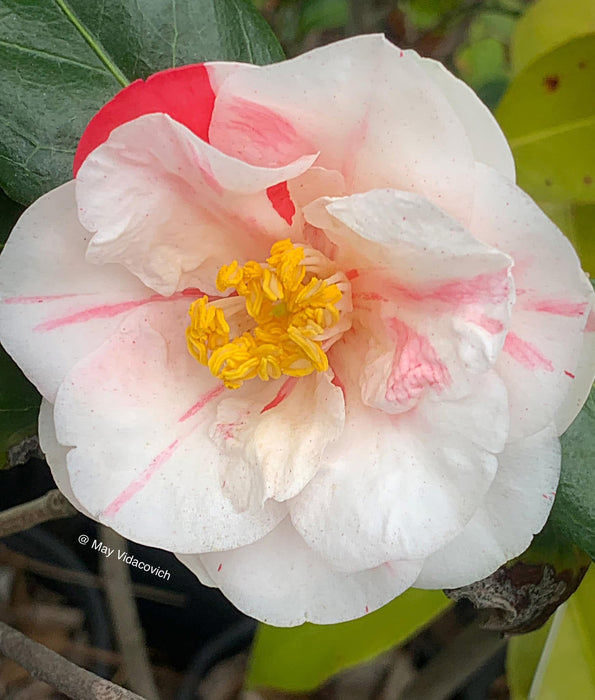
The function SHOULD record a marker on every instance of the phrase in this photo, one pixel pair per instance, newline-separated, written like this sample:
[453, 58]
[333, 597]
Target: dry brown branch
[83, 578]
[45, 665]
[129, 633]
[49, 507]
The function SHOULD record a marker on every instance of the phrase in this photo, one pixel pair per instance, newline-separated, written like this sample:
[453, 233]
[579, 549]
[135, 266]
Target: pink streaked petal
[272, 439]
[415, 366]
[172, 208]
[45, 276]
[202, 402]
[287, 387]
[185, 93]
[113, 310]
[38, 299]
[558, 307]
[138, 484]
[526, 354]
[413, 493]
[136, 414]
[550, 310]
[257, 135]
[333, 106]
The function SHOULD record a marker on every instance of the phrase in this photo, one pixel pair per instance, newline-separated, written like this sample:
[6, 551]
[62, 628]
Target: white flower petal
[400, 487]
[55, 307]
[282, 582]
[515, 508]
[369, 108]
[541, 354]
[487, 139]
[272, 448]
[137, 413]
[172, 208]
[435, 301]
[56, 454]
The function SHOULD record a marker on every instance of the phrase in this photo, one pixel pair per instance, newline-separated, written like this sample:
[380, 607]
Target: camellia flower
[297, 324]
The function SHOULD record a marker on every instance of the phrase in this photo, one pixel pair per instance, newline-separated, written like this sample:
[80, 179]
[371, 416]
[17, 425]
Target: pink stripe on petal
[38, 299]
[491, 325]
[135, 486]
[526, 354]
[111, 310]
[285, 390]
[369, 296]
[491, 287]
[416, 365]
[568, 374]
[557, 307]
[202, 402]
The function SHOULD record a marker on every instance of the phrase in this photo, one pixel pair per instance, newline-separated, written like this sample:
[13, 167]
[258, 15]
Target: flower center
[282, 322]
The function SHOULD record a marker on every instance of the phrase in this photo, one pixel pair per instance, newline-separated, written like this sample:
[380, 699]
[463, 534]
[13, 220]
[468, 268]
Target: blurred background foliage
[533, 64]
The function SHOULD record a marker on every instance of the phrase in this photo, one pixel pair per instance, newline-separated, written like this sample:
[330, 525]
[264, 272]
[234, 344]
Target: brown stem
[124, 614]
[49, 507]
[66, 677]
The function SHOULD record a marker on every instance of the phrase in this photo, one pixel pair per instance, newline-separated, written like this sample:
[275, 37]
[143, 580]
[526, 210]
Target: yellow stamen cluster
[289, 310]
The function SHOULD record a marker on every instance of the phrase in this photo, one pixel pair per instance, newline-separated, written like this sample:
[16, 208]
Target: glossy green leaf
[548, 116]
[547, 25]
[577, 221]
[19, 401]
[61, 60]
[522, 659]
[9, 213]
[19, 408]
[573, 513]
[566, 668]
[301, 658]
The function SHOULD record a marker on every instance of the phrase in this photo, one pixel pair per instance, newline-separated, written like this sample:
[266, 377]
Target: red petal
[184, 93]
[281, 200]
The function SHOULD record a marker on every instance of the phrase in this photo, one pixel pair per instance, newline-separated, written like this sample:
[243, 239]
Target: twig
[127, 627]
[66, 677]
[49, 507]
[84, 578]
[451, 669]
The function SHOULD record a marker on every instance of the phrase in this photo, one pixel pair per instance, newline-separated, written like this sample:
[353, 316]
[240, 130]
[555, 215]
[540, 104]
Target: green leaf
[19, 401]
[573, 513]
[522, 659]
[547, 25]
[19, 408]
[548, 116]
[9, 213]
[577, 221]
[566, 667]
[301, 658]
[61, 60]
